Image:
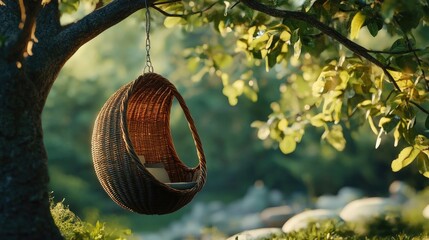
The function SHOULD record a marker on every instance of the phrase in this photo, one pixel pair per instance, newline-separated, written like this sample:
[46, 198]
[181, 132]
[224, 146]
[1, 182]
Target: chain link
[148, 67]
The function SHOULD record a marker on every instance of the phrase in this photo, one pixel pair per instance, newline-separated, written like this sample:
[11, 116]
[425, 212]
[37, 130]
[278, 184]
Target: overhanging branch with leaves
[301, 16]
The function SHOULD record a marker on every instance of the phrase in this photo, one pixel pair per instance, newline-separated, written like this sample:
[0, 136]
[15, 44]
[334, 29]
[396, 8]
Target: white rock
[329, 202]
[302, 219]
[366, 208]
[337, 202]
[401, 192]
[276, 216]
[349, 194]
[255, 234]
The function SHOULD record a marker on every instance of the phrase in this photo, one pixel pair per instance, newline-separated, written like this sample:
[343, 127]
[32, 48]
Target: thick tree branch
[75, 35]
[301, 16]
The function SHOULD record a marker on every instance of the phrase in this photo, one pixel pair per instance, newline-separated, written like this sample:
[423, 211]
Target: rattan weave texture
[135, 121]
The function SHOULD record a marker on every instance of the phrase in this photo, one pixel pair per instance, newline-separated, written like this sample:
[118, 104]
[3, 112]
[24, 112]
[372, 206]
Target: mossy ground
[388, 228]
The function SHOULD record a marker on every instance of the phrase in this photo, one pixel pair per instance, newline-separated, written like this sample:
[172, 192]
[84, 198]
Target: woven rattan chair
[132, 138]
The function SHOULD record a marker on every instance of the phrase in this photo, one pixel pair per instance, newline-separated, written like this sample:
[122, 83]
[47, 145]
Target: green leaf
[357, 23]
[410, 19]
[294, 37]
[282, 125]
[406, 156]
[389, 123]
[270, 61]
[317, 120]
[287, 145]
[406, 62]
[335, 137]
[250, 94]
[170, 22]
[271, 41]
[399, 45]
[423, 163]
[396, 136]
[222, 60]
[427, 122]
[421, 142]
[263, 132]
[318, 87]
[372, 28]
[69, 6]
[257, 124]
[372, 125]
[285, 36]
[297, 48]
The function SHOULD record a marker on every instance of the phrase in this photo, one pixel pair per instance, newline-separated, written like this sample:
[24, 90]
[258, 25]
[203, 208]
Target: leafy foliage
[324, 85]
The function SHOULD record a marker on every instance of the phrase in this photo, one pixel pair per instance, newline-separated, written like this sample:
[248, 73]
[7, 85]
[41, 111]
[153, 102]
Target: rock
[255, 234]
[337, 202]
[401, 192]
[275, 198]
[366, 208]
[349, 194]
[251, 221]
[301, 220]
[276, 216]
[255, 200]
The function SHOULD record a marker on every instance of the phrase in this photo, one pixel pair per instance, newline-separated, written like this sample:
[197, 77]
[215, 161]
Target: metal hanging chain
[148, 67]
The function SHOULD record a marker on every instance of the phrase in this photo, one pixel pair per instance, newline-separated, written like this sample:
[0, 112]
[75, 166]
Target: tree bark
[24, 201]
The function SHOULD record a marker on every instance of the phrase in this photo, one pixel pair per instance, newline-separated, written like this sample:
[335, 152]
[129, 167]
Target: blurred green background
[236, 158]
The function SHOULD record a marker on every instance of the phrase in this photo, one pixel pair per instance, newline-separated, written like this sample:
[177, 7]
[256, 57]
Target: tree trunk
[24, 201]
[24, 198]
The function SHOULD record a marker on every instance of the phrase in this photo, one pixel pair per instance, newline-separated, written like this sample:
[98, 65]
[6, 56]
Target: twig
[301, 16]
[235, 4]
[395, 52]
[165, 2]
[166, 13]
[183, 15]
[419, 107]
[418, 61]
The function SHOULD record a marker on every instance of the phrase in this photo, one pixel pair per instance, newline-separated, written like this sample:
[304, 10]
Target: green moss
[73, 228]
[378, 229]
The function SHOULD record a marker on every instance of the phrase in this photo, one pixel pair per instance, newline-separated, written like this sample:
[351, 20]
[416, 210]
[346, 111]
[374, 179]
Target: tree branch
[395, 52]
[68, 41]
[418, 60]
[301, 16]
[166, 2]
[183, 15]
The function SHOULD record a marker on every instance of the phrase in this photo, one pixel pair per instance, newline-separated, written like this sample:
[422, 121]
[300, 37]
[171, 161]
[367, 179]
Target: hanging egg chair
[133, 151]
